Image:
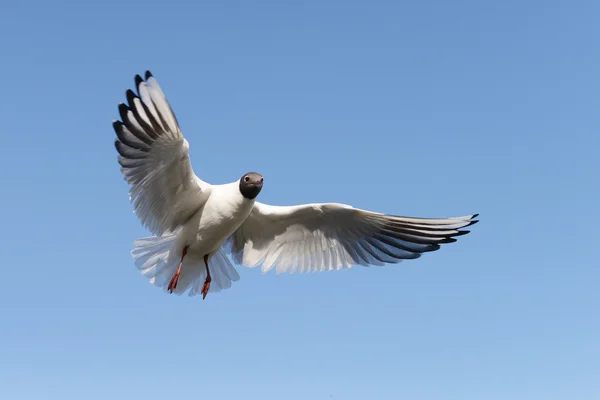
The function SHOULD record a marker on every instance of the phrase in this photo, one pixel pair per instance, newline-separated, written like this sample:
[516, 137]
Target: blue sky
[414, 108]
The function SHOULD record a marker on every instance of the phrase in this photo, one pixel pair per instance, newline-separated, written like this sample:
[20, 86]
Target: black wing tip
[123, 109]
[118, 127]
[471, 223]
[138, 80]
[130, 94]
[447, 240]
[451, 238]
[116, 124]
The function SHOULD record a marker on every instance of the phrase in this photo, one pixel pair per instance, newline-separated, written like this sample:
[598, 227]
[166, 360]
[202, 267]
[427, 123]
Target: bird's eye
[247, 179]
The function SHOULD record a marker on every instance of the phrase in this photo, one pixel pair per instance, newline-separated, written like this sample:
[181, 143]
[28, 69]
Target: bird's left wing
[321, 237]
[154, 158]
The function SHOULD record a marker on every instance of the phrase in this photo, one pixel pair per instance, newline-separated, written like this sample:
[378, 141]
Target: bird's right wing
[155, 162]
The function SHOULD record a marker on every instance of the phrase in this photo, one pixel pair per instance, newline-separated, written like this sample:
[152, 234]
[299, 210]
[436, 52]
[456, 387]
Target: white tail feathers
[154, 258]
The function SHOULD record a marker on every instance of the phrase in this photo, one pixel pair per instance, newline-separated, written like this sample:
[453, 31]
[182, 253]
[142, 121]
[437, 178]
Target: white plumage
[192, 219]
[322, 237]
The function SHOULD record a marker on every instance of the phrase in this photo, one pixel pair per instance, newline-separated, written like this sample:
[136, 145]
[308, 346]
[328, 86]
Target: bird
[200, 229]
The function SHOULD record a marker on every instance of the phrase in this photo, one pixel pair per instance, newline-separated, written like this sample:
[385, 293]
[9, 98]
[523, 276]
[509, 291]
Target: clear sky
[420, 108]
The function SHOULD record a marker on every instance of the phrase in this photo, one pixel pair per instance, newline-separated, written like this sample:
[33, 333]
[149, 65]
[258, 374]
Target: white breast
[223, 213]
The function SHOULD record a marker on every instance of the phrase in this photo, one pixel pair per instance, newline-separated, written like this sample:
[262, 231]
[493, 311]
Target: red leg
[173, 283]
[206, 285]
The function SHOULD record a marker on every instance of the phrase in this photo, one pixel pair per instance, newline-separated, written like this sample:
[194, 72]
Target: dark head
[250, 185]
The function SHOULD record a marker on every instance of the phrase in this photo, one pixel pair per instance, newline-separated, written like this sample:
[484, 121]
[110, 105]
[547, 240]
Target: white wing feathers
[320, 237]
[154, 158]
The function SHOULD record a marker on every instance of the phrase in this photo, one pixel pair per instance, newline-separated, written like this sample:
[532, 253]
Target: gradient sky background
[416, 108]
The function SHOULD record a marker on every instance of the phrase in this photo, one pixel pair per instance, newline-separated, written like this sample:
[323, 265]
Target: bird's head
[251, 184]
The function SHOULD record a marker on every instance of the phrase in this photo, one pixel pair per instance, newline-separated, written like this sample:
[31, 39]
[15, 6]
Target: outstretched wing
[321, 237]
[154, 158]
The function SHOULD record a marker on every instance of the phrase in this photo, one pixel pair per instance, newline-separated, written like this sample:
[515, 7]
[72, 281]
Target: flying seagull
[197, 225]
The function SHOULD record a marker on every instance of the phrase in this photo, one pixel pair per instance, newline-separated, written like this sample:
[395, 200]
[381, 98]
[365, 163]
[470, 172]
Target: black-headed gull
[198, 224]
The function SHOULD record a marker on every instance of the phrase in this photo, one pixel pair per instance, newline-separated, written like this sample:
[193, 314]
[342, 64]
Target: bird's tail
[158, 257]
